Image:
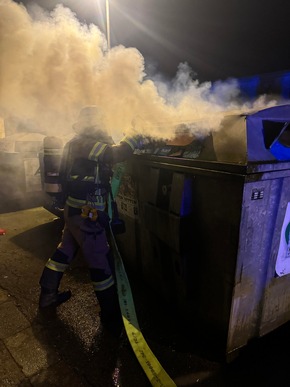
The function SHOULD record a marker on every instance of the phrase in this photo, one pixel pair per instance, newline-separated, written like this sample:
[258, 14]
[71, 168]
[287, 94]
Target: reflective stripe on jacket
[99, 203]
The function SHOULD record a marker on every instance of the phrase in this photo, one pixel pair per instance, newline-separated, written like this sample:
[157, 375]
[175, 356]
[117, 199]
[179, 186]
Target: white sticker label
[127, 206]
[127, 198]
[283, 257]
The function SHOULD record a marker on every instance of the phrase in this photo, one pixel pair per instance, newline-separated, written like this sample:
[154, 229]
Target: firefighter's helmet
[90, 120]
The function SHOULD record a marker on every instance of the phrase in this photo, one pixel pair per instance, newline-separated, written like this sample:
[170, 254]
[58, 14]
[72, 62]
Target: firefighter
[85, 172]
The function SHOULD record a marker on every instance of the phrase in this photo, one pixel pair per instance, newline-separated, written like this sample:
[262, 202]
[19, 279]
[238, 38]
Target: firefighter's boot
[52, 298]
[111, 317]
[49, 295]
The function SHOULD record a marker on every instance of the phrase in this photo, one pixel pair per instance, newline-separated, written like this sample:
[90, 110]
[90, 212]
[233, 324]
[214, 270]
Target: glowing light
[108, 23]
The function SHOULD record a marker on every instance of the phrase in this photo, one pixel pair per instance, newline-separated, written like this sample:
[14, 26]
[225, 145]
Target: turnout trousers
[91, 238]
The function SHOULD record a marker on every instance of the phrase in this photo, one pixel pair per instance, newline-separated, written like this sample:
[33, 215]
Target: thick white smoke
[51, 66]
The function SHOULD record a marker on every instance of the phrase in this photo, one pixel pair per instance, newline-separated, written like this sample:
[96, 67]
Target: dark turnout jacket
[86, 168]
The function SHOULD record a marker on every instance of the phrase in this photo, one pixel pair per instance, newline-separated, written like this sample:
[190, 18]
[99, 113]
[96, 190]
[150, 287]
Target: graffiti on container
[127, 198]
[283, 257]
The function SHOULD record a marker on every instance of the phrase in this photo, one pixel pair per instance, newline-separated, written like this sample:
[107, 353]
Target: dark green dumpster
[208, 227]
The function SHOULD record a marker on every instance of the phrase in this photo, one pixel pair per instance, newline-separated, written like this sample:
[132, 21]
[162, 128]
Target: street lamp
[108, 23]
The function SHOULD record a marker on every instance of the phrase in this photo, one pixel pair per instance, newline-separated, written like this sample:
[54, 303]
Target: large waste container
[20, 176]
[208, 227]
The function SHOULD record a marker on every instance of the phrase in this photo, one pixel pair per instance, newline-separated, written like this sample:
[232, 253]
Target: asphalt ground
[68, 347]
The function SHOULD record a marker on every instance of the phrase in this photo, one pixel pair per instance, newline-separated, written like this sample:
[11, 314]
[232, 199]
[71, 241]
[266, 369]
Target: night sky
[218, 39]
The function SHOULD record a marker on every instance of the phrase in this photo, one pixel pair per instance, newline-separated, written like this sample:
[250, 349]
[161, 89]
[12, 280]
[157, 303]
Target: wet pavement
[68, 347]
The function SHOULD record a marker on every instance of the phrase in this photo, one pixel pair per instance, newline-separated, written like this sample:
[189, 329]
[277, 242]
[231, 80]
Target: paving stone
[10, 373]
[58, 375]
[29, 352]
[12, 320]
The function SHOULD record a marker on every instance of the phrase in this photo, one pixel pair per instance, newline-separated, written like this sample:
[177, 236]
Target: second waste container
[208, 226]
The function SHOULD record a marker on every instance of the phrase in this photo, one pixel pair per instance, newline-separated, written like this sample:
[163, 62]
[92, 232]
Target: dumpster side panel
[215, 237]
[276, 305]
[188, 246]
[162, 245]
[128, 206]
[261, 203]
[210, 253]
[276, 310]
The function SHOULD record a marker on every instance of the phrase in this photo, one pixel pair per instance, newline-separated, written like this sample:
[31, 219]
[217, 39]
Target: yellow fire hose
[157, 376]
[151, 366]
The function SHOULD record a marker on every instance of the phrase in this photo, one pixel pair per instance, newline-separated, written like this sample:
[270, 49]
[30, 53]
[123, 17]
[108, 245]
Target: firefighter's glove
[136, 141]
[89, 212]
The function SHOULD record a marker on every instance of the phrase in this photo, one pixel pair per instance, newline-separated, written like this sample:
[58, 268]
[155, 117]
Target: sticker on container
[283, 257]
[127, 198]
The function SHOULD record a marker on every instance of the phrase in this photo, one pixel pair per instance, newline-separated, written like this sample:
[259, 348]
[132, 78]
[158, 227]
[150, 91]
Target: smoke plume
[52, 65]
